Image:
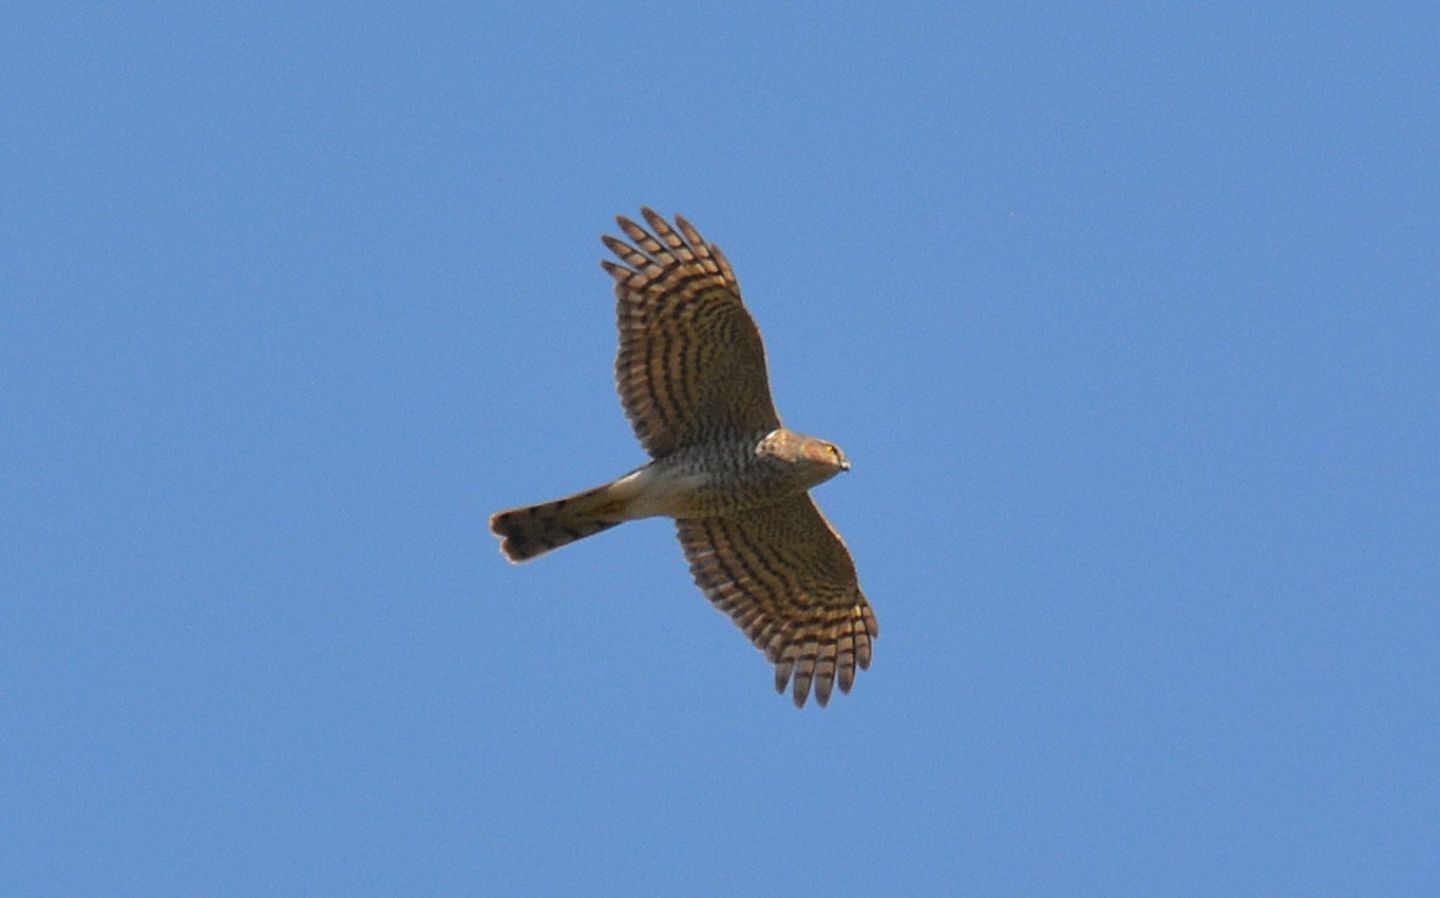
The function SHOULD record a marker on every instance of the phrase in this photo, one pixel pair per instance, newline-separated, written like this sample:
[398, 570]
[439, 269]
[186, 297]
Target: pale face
[815, 460]
[825, 454]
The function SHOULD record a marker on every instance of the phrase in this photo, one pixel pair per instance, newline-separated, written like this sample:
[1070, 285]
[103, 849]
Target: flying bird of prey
[691, 375]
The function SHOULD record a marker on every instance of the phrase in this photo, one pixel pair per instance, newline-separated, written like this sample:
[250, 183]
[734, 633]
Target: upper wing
[691, 365]
[782, 573]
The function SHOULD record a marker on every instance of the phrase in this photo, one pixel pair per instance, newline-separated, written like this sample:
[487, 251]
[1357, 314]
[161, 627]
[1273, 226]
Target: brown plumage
[691, 376]
[537, 529]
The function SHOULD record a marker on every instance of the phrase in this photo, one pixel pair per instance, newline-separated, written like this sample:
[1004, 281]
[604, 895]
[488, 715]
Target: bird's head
[816, 460]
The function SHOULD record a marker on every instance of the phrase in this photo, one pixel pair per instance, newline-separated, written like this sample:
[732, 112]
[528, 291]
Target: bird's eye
[834, 450]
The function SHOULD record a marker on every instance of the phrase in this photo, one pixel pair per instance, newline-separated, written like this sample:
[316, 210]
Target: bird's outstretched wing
[691, 366]
[785, 577]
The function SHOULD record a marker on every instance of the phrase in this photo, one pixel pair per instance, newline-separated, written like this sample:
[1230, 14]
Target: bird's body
[702, 481]
[691, 375]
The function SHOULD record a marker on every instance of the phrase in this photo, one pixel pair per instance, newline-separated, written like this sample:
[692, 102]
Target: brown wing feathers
[785, 578]
[691, 364]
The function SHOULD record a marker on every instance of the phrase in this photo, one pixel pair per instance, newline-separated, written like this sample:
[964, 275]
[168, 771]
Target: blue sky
[1127, 319]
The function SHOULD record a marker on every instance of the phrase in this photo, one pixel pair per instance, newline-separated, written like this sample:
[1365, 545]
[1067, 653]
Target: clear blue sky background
[1127, 318]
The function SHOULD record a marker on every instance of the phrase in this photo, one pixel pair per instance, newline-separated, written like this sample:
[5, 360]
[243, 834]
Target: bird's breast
[699, 482]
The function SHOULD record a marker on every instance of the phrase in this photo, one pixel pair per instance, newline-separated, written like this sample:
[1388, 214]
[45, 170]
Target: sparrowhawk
[691, 375]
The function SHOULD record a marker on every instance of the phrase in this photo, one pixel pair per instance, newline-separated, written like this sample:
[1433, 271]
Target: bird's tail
[536, 529]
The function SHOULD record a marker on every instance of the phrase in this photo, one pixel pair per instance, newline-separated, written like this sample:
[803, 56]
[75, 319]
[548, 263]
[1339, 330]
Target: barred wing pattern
[784, 576]
[691, 366]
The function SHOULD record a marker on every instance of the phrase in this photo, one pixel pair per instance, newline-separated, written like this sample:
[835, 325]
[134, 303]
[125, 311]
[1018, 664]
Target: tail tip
[505, 525]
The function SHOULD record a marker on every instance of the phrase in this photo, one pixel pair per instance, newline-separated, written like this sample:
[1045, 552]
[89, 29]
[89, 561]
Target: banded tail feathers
[536, 529]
